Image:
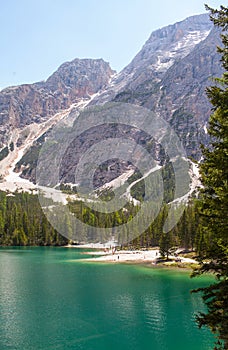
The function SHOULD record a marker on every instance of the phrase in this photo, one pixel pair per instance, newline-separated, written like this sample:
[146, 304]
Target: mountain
[168, 76]
[163, 48]
[35, 103]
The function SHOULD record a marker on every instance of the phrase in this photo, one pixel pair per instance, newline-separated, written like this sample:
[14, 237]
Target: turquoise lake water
[49, 299]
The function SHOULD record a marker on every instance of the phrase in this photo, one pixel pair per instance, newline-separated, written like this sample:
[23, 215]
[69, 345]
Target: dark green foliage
[166, 245]
[165, 241]
[138, 190]
[215, 298]
[100, 219]
[67, 189]
[140, 94]
[11, 146]
[135, 176]
[213, 229]
[184, 233]
[22, 222]
[29, 160]
[4, 153]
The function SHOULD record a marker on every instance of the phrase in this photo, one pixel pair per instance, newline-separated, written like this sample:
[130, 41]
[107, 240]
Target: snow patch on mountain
[117, 182]
[205, 128]
[10, 180]
[195, 184]
[182, 48]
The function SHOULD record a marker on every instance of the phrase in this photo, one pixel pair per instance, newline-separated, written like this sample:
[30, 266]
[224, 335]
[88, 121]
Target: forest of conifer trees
[23, 223]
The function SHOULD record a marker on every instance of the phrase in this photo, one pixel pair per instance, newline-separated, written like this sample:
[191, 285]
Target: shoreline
[98, 253]
[148, 257]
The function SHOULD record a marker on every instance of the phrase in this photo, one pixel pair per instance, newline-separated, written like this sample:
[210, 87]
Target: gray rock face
[80, 78]
[183, 101]
[29, 103]
[164, 47]
[168, 76]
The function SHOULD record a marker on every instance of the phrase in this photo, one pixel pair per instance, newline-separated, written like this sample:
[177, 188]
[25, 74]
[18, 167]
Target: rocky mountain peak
[86, 76]
[164, 47]
[168, 76]
[35, 103]
[173, 42]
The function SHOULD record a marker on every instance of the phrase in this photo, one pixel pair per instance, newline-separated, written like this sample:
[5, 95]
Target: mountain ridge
[35, 103]
[169, 76]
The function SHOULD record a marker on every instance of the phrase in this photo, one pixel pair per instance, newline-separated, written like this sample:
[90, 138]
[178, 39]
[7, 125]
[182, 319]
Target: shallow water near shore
[49, 300]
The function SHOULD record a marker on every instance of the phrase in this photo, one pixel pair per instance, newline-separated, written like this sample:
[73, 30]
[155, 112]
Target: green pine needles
[213, 227]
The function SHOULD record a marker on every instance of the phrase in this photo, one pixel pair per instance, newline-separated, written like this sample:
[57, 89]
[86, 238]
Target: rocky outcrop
[34, 103]
[168, 76]
[164, 47]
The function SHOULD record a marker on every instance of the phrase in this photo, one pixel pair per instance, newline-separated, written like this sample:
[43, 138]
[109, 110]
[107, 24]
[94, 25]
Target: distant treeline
[185, 234]
[22, 222]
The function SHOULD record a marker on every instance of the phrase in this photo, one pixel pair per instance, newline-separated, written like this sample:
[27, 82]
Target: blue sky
[39, 35]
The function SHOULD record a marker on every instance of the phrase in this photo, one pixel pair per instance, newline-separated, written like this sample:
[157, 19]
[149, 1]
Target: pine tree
[214, 203]
[166, 239]
[165, 245]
